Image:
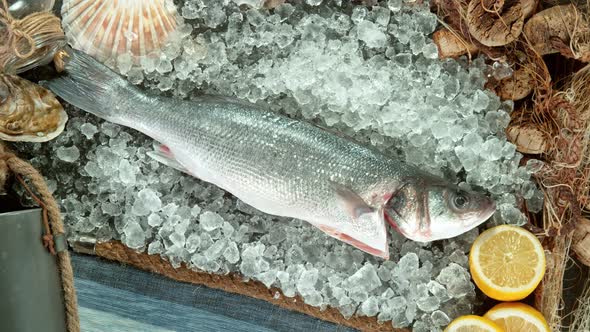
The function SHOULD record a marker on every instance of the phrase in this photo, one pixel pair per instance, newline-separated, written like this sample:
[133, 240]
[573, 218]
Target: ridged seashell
[106, 29]
[28, 112]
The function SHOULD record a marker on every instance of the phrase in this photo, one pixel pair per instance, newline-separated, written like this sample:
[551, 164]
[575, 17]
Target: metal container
[31, 297]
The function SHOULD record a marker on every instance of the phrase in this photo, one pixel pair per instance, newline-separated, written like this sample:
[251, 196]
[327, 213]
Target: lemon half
[507, 262]
[472, 323]
[518, 317]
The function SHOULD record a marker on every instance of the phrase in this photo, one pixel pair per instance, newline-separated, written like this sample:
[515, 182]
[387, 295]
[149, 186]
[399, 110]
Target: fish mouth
[486, 213]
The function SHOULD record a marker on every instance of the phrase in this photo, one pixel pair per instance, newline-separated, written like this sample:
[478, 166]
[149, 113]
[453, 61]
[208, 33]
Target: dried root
[495, 22]
[528, 136]
[450, 45]
[517, 86]
[551, 30]
[581, 241]
[528, 139]
[529, 7]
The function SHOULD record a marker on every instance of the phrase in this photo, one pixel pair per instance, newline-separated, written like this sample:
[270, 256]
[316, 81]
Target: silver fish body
[279, 165]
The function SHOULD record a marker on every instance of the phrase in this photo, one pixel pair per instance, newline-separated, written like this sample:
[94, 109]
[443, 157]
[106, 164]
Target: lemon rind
[539, 269]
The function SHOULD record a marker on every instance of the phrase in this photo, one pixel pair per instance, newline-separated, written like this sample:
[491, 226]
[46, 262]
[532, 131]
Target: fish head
[428, 212]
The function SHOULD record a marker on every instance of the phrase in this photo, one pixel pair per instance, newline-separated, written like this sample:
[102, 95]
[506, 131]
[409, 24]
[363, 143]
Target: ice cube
[231, 253]
[154, 220]
[111, 209]
[314, 2]
[210, 221]
[439, 318]
[438, 290]
[178, 240]
[227, 229]
[365, 279]
[456, 279]
[284, 10]
[380, 15]
[134, 235]
[480, 101]
[124, 63]
[149, 63]
[166, 83]
[255, 18]
[307, 281]
[88, 130]
[155, 248]
[126, 172]
[370, 33]
[164, 66]
[535, 203]
[501, 70]
[146, 201]
[408, 264]
[534, 165]
[394, 5]
[276, 235]
[430, 51]
[215, 250]
[359, 13]
[268, 277]
[370, 307]
[68, 154]
[250, 3]
[193, 242]
[135, 75]
[195, 211]
[428, 304]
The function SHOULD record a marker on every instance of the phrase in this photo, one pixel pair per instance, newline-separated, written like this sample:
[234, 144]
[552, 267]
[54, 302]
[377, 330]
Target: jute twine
[234, 283]
[11, 164]
[27, 42]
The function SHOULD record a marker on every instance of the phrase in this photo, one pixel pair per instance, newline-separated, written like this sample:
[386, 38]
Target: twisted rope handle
[52, 221]
[15, 33]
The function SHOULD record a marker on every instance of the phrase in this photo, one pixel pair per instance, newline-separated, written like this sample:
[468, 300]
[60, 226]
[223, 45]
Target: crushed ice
[371, 73]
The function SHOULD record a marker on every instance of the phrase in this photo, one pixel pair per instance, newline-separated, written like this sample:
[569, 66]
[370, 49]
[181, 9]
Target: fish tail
[89, 85]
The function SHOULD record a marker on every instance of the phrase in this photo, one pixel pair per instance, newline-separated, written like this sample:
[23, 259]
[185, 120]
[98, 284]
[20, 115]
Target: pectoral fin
[377, 247]
[351, 201]
[162, 154]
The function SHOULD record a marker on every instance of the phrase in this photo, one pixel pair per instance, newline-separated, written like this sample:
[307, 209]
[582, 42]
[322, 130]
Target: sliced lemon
[518, 317]
[507, 262]
[472, 323]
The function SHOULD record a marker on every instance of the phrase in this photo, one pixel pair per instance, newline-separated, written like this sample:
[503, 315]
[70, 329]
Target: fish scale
[280, 165]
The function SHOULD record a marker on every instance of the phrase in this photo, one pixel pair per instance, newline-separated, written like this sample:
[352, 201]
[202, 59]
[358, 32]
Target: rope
[27, 40]
[10, 163]
[15, 32]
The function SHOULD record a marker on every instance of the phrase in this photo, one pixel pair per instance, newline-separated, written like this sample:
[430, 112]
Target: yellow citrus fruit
[507, 262]
[518, 317]
[472, 323]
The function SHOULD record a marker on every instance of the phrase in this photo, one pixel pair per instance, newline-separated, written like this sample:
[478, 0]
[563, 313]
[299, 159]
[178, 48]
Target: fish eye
[460, 200]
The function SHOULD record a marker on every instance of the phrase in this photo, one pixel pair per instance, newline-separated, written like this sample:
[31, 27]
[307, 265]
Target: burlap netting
[233, 283]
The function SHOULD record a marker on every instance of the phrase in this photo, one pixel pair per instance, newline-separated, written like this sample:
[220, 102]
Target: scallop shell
[28, 112]
[106, 29]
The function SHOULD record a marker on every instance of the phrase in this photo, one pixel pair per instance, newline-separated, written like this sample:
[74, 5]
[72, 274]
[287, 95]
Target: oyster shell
[28, 112]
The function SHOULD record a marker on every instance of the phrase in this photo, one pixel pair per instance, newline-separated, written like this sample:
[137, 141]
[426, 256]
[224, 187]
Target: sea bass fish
[278, 165]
